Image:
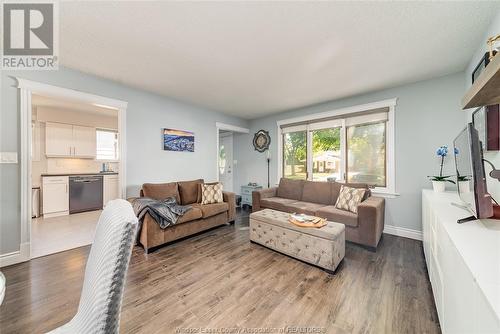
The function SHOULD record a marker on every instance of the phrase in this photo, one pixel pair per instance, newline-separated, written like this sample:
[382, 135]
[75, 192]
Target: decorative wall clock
[261, 140]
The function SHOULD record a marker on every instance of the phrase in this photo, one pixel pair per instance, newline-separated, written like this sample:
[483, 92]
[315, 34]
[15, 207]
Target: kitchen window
[354, 145]
[107, 145]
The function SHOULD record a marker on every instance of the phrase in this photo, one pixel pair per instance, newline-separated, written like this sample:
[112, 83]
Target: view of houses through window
[351, 149]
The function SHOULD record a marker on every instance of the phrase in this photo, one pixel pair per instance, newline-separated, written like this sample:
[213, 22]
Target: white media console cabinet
[463, 262]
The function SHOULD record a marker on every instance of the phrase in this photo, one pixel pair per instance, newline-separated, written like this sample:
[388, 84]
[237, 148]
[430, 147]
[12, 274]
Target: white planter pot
[463, 187]
[439, 186]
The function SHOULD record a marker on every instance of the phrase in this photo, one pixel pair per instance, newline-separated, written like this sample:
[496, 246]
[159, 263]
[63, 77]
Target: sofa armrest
[132, 199]
[258, 195]
[230, 198]
[371, 215]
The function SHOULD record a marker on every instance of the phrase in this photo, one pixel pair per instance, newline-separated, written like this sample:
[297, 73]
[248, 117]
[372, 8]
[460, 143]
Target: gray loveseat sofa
[318, 199]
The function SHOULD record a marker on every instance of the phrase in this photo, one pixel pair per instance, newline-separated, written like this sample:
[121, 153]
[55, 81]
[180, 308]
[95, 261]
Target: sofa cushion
[336, 190]
[338, 216]
[192, 214]
[291, 189]
[317, 192]
[211, 193]
[349, 198]
[161, 190]
[303, 207]
[209, 210]
[275, 203]
[188, 191]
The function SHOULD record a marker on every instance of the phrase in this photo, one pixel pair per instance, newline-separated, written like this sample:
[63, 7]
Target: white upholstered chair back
[107, 264]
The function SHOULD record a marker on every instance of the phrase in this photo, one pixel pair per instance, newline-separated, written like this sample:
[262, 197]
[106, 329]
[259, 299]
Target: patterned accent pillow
[349, 198]
[211, 193]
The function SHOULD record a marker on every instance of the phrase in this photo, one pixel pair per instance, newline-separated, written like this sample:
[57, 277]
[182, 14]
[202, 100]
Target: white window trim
[388, 191]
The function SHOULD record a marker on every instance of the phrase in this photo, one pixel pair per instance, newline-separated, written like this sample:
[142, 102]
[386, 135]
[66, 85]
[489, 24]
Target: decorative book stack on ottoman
[323, 247]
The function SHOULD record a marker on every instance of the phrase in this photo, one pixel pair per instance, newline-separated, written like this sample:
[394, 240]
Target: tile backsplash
[76, 166]
[61, 165]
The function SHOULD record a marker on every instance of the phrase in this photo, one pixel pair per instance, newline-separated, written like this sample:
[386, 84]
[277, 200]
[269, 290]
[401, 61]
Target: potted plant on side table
[439, 181]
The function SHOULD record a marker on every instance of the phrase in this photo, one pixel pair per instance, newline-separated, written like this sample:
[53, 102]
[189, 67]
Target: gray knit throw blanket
[165, 212]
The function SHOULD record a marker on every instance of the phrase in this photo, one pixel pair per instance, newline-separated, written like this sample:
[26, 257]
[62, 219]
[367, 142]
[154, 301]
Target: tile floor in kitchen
[57, 234]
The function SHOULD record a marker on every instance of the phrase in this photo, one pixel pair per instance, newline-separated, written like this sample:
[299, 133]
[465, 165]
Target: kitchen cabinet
[84, 141]
[111, 188]
[55, 196]
[58, 139]
[66, 140]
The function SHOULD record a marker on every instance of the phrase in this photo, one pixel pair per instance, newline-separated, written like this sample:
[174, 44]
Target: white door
[84, 139]
[58, 139]
[226, 161]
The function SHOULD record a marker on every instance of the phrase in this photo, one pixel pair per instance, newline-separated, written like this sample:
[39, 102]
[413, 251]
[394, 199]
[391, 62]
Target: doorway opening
[226, 164]
[74, 171]
[68, 137]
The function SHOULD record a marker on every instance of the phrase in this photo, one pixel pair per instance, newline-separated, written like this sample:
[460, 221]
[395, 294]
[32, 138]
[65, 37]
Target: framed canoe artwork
[178, 140]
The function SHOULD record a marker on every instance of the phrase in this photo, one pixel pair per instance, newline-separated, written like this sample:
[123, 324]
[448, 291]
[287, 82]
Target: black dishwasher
[85, 193]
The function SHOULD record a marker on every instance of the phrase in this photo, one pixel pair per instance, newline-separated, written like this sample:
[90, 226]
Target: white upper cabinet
[58, 140]
[84, 141]
[65, 140]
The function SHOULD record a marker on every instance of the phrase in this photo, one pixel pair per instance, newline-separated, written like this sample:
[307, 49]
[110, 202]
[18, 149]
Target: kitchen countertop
[78, 174]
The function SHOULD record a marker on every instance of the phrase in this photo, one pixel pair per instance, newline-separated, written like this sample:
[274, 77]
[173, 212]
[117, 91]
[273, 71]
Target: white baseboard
[19, 256]
[403, 232]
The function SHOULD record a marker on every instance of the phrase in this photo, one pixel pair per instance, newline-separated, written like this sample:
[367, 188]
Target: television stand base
[465, 220]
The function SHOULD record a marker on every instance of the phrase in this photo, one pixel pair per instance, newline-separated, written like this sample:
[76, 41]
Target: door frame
[226, 127]
[221, 137]
[26, 89]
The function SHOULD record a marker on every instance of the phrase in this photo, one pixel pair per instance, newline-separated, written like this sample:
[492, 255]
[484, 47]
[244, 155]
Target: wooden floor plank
[219, 279]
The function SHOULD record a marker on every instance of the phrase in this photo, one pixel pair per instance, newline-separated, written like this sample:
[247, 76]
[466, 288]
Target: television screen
[471, 181]
[464, 170]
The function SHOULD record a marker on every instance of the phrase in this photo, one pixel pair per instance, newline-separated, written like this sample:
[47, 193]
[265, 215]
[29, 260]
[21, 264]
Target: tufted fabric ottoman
[323, 247]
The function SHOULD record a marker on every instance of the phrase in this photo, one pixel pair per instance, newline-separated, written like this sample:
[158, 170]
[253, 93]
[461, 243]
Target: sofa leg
[330, 272]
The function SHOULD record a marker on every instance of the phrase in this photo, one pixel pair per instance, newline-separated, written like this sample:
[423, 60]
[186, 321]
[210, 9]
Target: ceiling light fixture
[103, 106]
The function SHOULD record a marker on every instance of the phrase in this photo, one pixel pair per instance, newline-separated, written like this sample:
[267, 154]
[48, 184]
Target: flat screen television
[470, 166]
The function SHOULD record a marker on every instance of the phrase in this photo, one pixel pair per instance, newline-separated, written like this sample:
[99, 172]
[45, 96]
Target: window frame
[390, 189]
[292, 129]
[346, 161]
[117, 149]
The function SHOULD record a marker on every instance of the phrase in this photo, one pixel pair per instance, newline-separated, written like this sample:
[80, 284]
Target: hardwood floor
[219, 279]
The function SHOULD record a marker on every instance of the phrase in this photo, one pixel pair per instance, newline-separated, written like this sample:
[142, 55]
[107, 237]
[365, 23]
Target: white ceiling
[251, 59]
[58, 103]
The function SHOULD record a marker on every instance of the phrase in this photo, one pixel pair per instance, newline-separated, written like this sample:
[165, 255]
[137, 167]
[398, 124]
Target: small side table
[246, 194]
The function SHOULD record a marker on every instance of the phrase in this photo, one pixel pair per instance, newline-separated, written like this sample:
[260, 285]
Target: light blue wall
[427, 115]
[147, 113]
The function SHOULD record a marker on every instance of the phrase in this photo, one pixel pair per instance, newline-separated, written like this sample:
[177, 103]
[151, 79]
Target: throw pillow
[211, 193]
[349, 198]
